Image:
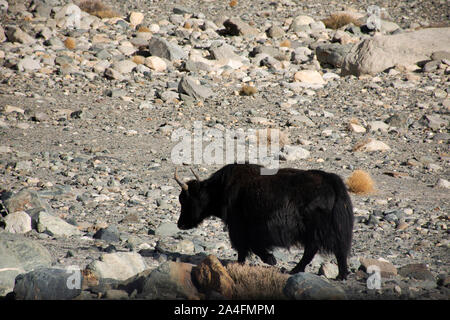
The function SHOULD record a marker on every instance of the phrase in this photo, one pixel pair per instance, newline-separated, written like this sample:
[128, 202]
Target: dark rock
[332, 53]
[48, 284]
[306, 286]
[165, 49]
[189, 87]
[109, 234]
[418, 271]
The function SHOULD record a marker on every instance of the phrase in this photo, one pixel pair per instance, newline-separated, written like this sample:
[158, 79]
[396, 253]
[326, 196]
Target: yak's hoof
[271, 260]
[342, 276]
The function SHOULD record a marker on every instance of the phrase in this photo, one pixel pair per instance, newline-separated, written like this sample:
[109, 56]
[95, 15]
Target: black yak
[292, 207]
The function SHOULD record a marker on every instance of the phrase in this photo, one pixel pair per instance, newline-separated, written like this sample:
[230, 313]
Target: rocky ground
[88, 107]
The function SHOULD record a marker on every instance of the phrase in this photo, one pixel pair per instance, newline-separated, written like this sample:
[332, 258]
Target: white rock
[136, 18]
[55, 226]
[309, 76]
[356, 128]
[69, 16]
[118, 265]
[372, 145]
[378, 126]
[28, 64]
[156, 63]
[442, 183]
[292, 153]
[124, 66]
[17, 222]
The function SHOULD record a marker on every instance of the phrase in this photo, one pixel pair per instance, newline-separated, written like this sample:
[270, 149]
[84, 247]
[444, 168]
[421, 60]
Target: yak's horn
[183, 185]
[195, 175]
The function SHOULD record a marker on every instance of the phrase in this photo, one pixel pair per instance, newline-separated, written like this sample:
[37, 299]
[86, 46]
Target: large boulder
[379, 53]
[19, 255]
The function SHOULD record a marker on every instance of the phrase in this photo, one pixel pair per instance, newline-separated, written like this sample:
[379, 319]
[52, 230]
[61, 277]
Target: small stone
[155, 63]
[15, 34]
[418, 271]
[17, 222]
[124, 66]
[371, 145]
[167, 229]
[54, 226]
[109, 234]
[309, 76]
[237, 27]
[165, 49]
[329, 270]
[387, 269]
[117, 265]
[442, 183]
[356, 128]
[189, 86]
[308, 286]
[28, 64]
[293, 153]
[136, 18]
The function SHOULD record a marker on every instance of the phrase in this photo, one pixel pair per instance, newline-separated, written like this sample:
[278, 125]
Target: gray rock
[167, 229]
[418, 271]
[306, 286]
[293, 153]
[165, 49]
[54, 226]
[113, 74]
[48, 284]
[15, 34]
[275, 32]
[189, 86]
[17, 222]
[18, 255]
[118, 265]
[329, 270]
[237, 27]
[28, 64]
[332, 53]
[171, 280]
[379, 53]
[441, 55]
[124, 66]
[434, 122]
[109, 234]
[27, 200]
[300, 121]
[223, 51]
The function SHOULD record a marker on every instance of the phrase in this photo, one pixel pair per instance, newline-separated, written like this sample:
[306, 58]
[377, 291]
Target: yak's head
[194, 200]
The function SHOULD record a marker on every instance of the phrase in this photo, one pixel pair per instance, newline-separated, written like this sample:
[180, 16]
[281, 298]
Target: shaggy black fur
[292, 207]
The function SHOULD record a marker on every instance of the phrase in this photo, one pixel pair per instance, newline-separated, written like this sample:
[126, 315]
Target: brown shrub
[338, 20]
[360, 182]
[98, 8]
[70, 43]
[233, 3]
[270, 135]
[257, 282]
[247, 90]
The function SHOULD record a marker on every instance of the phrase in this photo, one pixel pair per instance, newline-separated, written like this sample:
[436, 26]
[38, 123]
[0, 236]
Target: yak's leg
[308, 255]
[265, 256]
[342, 265]
[242, 254]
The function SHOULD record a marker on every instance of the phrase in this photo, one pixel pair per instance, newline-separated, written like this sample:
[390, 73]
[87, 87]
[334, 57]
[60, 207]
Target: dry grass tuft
[143, 29]
[233, 3]
[285, 43]
[247, 90]
[360, 182]
[271, 135]
[257, 282]
[338, 20]
[70, 43]
[98, 9]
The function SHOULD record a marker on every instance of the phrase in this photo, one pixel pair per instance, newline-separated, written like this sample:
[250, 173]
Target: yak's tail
[342, 216]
